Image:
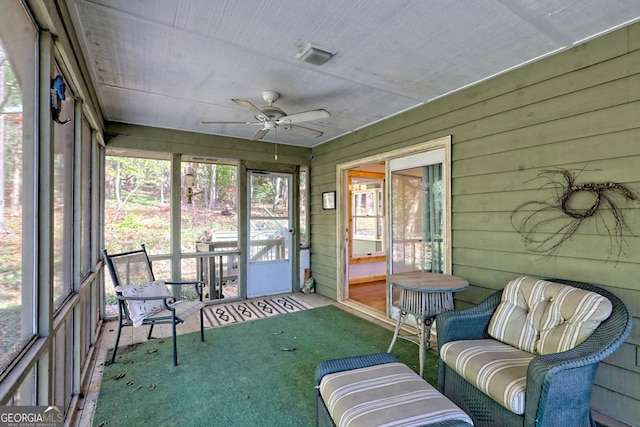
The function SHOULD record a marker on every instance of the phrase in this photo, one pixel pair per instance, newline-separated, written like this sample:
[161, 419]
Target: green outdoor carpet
[257, 373]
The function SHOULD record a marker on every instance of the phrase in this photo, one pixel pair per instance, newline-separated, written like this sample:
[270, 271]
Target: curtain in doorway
[432, 242]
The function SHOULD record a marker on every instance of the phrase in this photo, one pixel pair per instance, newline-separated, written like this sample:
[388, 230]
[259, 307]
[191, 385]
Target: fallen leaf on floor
[277, 333]
[153, 350]
[288, 349]
[104, 423]
[127, 361]
[119, 375]
[151, 386]
[131, 382]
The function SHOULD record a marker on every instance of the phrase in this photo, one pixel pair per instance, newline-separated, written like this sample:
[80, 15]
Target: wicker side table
[423, 295]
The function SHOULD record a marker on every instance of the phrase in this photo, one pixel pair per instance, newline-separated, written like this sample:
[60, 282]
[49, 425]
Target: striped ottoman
[375, 390]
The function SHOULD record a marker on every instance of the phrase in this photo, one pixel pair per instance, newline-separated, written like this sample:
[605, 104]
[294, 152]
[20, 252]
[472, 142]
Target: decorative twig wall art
[546, 225]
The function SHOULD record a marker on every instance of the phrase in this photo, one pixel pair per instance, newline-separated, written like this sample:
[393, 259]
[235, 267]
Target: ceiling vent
[312, 55]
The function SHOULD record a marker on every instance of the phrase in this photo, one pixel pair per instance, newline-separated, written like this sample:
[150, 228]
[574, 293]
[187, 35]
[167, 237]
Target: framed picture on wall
[329, 200]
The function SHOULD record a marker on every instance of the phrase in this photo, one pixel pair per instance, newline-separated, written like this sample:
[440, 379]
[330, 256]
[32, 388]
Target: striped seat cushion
[390, 394]
[544, 317]
[497, 369]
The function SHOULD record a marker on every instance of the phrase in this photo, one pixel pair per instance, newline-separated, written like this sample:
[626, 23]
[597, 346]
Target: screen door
[269, 269]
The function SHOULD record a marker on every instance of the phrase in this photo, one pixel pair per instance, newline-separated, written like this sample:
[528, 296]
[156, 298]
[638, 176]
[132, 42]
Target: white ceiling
[174, 63]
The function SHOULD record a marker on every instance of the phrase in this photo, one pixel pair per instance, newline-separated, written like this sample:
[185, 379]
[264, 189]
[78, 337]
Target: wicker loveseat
[552, 362]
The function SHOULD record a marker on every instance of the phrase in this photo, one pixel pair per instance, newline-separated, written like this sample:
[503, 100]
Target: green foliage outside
[138, 206]
[138, 209]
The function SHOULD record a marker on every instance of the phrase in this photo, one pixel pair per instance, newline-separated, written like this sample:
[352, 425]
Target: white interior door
[269, 269]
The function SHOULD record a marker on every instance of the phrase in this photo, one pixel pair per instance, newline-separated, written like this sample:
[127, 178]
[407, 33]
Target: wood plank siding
[576, 110]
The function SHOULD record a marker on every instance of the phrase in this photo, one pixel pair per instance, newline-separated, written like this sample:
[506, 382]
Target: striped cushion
[498, 370]
[390, 394]
[543, 317]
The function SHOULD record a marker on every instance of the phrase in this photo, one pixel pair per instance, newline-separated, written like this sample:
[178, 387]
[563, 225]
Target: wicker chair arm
[568, 375]
[564, 373]
[466, 324]
[602, 343]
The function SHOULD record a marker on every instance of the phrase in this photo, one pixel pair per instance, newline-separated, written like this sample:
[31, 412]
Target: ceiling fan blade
[209, 122]
[306, 131]
[258, 113]
[305, 116]
[259, 134]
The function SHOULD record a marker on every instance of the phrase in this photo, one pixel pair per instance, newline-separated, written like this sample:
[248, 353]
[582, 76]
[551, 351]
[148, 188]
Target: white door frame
[342, 216]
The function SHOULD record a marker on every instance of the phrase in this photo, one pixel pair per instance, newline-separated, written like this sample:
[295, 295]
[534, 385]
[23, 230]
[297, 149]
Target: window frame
[25, 69]
[379, 202]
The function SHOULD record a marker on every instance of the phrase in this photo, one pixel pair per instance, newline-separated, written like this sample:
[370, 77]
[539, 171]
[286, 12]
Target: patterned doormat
[225, 314]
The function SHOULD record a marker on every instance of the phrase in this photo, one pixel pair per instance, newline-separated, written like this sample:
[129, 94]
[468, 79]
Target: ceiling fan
[270, 117]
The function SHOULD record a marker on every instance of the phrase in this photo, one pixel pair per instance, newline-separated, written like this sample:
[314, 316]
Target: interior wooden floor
[372, 294]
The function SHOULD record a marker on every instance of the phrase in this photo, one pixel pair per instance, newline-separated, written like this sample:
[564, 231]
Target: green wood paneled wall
[159, 140]
[577, 110]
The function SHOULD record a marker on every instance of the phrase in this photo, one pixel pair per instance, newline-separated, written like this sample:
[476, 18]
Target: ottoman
[376, 389]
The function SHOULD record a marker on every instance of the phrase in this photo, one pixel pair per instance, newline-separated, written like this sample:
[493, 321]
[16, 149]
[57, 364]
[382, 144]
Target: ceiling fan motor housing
[274, 113]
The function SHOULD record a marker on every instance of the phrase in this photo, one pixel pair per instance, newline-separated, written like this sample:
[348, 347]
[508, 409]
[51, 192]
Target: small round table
[423, 295]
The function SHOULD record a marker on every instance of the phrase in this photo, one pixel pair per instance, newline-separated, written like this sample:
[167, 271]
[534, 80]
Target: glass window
[85, 201]
[209, 225]
[62, 359]
[137, 210]
[18, 53]
[366, 233]
[63, 138]
[417, 216]
[368, 213]
[26, 394]
[209, 204]
[137, 204]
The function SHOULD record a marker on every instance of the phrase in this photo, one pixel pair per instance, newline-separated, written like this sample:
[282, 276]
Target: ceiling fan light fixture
[312, 55]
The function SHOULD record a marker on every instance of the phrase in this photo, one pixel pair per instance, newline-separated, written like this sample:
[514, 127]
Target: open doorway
[366, 246]
[393, 215]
